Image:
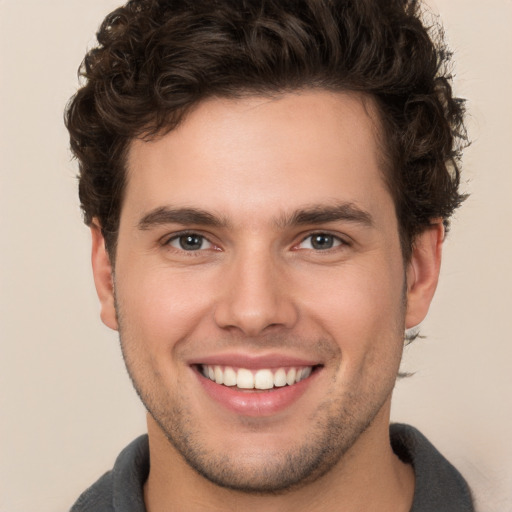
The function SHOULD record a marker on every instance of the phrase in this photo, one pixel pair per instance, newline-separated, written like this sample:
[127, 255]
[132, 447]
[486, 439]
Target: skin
[256, 286]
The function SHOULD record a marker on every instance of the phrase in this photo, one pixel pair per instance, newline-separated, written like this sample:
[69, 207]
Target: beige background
[66, 405]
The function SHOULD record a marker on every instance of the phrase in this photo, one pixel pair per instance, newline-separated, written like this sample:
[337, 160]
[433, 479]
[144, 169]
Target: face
[260, 292]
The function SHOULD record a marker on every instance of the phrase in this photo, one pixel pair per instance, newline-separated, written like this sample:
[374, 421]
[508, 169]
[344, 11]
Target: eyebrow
[320, 214]
[314, 214]
[185, 216]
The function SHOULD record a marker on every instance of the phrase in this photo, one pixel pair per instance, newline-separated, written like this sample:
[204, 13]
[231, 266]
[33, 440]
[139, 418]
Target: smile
[256, 386]
[263, 378]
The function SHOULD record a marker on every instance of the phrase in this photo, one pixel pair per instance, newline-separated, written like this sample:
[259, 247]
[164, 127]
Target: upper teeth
[255, 379]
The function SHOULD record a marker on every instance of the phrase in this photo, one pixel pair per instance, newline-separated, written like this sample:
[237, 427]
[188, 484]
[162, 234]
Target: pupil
[190, 242]
[322, 241]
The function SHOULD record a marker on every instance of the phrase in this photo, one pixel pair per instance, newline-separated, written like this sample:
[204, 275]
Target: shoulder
[439, 486]
[97, 498]
[121, 489]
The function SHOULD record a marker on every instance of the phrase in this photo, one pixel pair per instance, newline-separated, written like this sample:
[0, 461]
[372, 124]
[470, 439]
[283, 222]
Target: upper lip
[253, 361]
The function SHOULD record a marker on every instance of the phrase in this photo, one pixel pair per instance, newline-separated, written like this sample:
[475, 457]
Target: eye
[190, 242]
[320, 242]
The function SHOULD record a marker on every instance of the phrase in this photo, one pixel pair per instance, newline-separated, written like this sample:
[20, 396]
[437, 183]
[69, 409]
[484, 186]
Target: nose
[255, 296]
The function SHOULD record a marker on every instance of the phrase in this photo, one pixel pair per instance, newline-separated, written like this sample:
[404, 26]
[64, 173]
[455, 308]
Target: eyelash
[337, 241]
[176, 236]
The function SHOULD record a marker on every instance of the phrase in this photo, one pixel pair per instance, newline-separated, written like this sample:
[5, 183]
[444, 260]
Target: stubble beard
[336, 426]
[328, 442]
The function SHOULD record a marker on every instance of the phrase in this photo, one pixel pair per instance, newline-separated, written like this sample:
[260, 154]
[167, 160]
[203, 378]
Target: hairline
[368, 100]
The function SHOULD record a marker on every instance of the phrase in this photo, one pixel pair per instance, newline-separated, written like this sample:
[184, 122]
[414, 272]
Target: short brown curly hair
[158, 58]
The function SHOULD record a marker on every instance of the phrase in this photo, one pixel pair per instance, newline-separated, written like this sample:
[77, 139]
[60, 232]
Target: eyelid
[342, 240]
[167, 239]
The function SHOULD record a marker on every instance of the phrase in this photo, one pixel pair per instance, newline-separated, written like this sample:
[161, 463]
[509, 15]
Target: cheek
[166, 307]
[360, 307]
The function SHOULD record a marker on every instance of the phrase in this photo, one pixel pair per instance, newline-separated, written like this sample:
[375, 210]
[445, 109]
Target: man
[268, 185]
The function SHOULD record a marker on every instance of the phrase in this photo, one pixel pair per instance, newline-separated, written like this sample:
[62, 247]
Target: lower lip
[255, 403]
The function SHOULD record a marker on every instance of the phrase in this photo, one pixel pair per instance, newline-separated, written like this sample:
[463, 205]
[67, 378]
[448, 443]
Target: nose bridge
[254, 292]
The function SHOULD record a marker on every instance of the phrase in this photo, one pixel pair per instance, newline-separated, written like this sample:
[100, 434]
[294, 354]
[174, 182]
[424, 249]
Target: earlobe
[423, 272]
[103, 277]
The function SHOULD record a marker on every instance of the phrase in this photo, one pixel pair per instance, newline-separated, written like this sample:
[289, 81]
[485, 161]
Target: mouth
[262, 379]
[257, 386]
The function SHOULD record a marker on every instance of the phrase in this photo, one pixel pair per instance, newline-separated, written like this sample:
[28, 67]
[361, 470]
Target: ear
[103, 277]
[423, 272]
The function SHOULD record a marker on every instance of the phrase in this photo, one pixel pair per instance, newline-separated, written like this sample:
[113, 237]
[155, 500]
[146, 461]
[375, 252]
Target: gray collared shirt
[439, 486]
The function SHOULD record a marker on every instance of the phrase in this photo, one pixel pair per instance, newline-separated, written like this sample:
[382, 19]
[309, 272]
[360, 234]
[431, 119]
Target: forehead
[248, 156]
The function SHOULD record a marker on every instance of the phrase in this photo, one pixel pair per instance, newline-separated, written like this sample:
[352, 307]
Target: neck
[369, 477]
